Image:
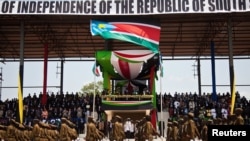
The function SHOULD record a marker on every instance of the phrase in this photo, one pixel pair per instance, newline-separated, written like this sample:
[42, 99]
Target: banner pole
[93, 113]
[161, 105]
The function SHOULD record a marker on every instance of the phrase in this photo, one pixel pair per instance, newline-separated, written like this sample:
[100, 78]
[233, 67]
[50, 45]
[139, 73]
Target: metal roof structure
[182, 35]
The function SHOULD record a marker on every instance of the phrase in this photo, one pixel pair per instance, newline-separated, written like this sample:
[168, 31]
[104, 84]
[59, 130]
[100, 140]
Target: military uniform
[53, 133]
[72, 130]
[93, 133]
[191, 131]
[118, 130]
[149, 130]
[204, 130]
[64, 134]
[239, 119]
[36, 130]
[20, 132]
[169, 131]
[44, 136]
[11, 131]
[174, 132]
[3, 132]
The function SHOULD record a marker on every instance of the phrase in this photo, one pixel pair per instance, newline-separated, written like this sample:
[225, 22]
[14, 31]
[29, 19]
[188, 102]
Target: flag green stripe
[125, 104]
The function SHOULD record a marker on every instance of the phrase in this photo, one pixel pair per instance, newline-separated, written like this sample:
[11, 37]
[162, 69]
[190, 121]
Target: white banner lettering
[121, 7]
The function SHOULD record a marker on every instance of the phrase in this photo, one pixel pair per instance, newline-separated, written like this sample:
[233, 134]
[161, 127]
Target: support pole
[61, 77]
[162, 132]
[45, 71]
[231, 65]
[214, 94]
[20, 78]
[199, 74]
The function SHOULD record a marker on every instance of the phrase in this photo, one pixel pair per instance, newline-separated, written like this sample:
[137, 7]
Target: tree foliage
[89, 88]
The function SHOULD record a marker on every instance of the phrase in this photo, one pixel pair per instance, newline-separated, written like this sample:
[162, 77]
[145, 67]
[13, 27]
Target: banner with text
[121, 7]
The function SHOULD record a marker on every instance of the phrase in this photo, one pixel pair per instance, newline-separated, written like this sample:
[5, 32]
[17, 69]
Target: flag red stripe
[131, 55]
[124, 67]
[141, 30]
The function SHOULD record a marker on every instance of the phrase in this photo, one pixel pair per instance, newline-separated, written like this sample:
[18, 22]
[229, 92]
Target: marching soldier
[149, 130]
[11, 131]
[118, 132]
[64, 134]
[239, 119]
[53, 134]
[36, 130]
[174, 133]
[169, 131]
[181, 128]
[191, 131]
[93, 134]
[231, 119]
[204, 130]
[27, 133]
[20, 135]
[44, 136]
[72, 130]
[111, 126]
[139, 135]
[3, 132]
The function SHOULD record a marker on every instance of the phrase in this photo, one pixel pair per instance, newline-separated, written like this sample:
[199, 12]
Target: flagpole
[93, 113]
[161, 102]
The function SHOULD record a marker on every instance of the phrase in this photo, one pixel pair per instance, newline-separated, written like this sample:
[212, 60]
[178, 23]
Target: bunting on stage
[143, 34]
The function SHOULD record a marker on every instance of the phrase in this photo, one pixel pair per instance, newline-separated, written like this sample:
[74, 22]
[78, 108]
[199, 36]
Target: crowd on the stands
[203, 106]
[77, 108]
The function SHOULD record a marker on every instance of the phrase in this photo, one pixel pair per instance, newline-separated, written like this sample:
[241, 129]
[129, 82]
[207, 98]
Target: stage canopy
[186, 28]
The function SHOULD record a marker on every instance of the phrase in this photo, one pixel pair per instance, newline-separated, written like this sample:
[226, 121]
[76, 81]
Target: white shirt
[224, 113]
[127, 126]
[213, 113]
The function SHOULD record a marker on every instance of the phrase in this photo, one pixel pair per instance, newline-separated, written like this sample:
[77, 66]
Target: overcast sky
[178, 77]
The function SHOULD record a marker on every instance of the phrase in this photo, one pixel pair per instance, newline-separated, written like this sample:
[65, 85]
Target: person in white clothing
[127, 128]
[213, 113]
[132, 129]
[224, 112]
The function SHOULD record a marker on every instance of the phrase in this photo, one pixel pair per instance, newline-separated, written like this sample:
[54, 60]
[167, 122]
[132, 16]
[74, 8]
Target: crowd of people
[78, 108]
